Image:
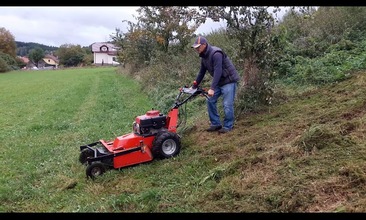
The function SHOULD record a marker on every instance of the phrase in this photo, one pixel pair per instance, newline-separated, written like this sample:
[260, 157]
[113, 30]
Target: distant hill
[24, 48]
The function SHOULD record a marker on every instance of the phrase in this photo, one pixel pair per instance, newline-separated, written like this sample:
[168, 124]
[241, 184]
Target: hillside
[305, 155]
[23, 48]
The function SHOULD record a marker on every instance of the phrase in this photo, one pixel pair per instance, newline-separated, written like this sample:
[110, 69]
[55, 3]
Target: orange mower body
[154, 135]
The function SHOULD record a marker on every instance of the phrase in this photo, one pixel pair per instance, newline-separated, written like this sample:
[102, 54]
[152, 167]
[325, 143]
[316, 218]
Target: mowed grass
[45, 117]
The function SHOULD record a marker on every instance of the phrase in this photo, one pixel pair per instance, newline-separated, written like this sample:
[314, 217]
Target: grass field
[306, 154]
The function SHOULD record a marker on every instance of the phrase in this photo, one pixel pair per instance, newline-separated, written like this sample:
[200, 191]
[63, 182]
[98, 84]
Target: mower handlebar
[194, 91]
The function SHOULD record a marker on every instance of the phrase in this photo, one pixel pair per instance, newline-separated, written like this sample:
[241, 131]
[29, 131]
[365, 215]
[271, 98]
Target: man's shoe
[214, 128]
[223, 130]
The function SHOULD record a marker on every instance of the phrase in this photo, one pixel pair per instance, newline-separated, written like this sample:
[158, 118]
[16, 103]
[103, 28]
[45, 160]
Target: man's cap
[200, 40]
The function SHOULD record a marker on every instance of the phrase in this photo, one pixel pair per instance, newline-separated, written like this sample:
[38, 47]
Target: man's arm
[201, 74]
[217, 61]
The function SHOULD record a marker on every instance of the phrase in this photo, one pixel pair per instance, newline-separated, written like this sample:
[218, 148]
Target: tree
[71, 55]
[7, 42]
[158, 29]
[35, 55]
[135, 45]
[169, 24]
[88, 57]
[334, 23]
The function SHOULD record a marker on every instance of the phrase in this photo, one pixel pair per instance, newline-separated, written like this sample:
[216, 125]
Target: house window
[104, 48]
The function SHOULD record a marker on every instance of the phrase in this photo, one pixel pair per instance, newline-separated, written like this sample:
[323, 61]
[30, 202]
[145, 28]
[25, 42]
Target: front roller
[85, 154]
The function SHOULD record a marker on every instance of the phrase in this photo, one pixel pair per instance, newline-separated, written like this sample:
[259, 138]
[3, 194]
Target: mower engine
[150, 123]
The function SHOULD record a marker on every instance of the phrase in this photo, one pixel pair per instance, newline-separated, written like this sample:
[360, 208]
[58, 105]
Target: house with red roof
[48, 62]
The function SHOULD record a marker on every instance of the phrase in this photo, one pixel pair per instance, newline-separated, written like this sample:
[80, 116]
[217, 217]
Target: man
[224, 83]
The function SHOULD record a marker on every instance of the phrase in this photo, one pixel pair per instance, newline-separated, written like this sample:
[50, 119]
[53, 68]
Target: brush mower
[154, 135]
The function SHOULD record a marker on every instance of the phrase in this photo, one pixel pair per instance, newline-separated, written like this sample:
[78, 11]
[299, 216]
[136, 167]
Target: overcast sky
[54, 26]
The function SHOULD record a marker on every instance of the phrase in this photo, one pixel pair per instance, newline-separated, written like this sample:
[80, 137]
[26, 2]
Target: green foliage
[4, 67]
[8, 59]
[7, 42]
[9, 63]
[333, 66]
[161, 81]
[229, 45]
[310, 33]
[338, 23]
[136, 47]
[36, 54]
[72, 55]
[169, 25]
[319, 48]
[88, 59]
[24, 48]
[158, 29]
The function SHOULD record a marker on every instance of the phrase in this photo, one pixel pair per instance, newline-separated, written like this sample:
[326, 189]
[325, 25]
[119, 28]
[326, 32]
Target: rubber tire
[84, 154]
[95, 169]
[166, 145]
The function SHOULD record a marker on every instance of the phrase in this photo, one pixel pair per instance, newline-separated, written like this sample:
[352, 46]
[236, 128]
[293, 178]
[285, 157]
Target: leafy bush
[4, 67]
[11, 62]
[333, 66]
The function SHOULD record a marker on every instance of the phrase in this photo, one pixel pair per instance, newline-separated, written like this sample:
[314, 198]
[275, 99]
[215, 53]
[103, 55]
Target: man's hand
[211, 92]
[194, 85]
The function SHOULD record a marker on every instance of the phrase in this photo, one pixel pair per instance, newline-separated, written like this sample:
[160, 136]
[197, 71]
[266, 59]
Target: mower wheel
[84, 154]
[95, 169]
[166, 145]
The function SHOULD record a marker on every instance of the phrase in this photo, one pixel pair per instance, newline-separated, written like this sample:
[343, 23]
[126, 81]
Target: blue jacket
[220, 67]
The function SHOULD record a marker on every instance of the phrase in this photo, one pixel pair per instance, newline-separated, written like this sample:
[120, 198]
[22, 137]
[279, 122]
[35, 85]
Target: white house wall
[104, 58]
